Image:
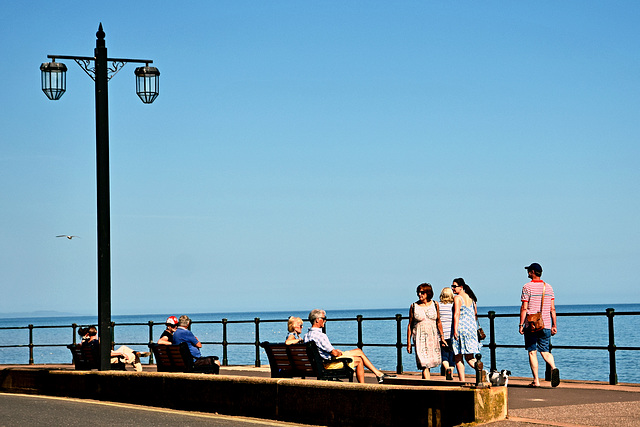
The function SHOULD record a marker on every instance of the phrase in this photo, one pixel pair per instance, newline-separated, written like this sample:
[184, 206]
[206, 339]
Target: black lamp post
[54, 86]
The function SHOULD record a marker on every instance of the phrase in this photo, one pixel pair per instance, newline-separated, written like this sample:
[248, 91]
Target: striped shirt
[532, 293]
[446, 317]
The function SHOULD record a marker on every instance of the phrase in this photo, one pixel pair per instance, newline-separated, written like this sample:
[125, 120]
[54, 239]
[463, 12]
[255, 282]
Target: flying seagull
[68, 237]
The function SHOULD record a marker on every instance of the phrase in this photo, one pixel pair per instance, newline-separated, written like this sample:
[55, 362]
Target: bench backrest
[288, 361]
[172, 358]
[87, 357]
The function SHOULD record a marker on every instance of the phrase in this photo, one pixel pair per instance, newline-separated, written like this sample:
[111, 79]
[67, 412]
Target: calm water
[573, 330]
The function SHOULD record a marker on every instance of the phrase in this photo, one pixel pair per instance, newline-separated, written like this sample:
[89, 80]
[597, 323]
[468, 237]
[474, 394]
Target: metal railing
[399, 344]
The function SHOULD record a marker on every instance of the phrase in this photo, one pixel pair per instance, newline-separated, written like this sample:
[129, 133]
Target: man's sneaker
[383, 376]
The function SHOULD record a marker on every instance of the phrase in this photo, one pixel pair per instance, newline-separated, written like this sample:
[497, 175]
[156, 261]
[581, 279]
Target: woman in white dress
[425, 330]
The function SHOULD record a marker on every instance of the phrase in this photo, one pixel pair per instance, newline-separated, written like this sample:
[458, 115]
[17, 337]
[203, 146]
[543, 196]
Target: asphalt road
[30, 410]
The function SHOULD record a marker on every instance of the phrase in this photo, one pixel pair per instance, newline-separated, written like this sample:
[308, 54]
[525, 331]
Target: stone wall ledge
[294, 400]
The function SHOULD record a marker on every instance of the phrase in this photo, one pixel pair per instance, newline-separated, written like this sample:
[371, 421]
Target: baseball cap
[171, 320]
[535, 267]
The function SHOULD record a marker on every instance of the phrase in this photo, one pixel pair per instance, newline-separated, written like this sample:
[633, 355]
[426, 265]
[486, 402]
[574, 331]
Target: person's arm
[457, 301]
[439, 323]
[291, 339]
[164, 340]
[410, 329]
[554, 322]
[523, 315]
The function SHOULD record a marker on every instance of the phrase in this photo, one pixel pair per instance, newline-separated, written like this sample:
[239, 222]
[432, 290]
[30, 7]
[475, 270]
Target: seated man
[90, 338]
[318, 319]
[167, 335]
[182, 334]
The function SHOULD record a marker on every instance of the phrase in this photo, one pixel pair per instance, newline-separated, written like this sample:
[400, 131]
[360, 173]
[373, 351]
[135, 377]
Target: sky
[323, 154]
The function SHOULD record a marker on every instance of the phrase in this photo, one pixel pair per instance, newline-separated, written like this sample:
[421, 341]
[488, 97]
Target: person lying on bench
[318, 318]
[90, 338]
[182, 334]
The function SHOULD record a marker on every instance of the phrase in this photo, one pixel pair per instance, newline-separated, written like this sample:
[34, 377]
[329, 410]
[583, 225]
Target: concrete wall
[303, 401]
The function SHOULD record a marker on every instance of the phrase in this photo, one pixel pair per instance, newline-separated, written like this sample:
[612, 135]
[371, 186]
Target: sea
[578, 325]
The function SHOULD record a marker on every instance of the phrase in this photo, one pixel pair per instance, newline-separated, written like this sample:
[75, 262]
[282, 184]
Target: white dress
[425, 336]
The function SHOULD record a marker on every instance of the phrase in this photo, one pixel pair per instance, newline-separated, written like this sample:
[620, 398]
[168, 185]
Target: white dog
[499, 378]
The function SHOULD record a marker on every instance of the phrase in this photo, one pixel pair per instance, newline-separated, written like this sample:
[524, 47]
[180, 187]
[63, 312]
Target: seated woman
[294, 326]
[167, 335]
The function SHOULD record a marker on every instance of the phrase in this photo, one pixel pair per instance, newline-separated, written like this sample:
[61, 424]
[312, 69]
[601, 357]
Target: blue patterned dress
[467, 342]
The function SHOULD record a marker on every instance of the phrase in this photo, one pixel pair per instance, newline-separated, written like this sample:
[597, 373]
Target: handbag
[481, 334]
[534, 321]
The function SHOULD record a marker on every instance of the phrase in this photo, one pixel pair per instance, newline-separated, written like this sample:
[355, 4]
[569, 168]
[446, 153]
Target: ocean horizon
[51, 332]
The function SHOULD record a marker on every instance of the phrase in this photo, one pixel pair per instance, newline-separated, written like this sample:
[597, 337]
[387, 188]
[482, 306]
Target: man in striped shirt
[532, 294]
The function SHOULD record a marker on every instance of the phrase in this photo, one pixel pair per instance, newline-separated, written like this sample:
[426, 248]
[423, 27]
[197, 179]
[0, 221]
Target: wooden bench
[87, 357]
[303, 360]
[178, 358]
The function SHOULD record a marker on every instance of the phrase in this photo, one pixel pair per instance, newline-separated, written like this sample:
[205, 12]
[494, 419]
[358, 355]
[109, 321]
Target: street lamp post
[54, 86]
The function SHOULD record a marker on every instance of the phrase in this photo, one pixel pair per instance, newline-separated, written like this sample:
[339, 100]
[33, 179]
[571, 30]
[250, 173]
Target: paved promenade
[573, 403]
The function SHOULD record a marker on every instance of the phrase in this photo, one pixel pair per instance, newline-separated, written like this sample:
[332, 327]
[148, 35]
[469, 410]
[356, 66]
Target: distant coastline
[38, 313]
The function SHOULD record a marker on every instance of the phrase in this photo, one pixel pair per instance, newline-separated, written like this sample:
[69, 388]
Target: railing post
[359, 320]
[257, 343]
[399, 368]
[150, 341]
[113, 335]
[30, 344]
[613, 375]
[74, 328]
[492, 339]
[225, 361]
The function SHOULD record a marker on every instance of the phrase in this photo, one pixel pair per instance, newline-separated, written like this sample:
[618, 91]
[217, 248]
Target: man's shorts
[537, 340]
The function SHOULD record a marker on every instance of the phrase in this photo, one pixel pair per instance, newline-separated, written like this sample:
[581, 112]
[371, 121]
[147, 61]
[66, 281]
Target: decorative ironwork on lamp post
[147, 86]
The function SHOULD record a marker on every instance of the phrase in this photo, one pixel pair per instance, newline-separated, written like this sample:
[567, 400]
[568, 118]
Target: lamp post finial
[100, 34]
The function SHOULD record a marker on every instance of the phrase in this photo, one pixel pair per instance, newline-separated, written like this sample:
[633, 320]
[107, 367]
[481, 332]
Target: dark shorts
[447, 352]
[537, 340]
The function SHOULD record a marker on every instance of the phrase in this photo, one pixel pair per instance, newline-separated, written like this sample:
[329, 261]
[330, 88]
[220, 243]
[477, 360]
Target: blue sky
[324, 154]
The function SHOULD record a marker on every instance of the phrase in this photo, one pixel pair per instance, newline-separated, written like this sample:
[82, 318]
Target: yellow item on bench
[336, 364]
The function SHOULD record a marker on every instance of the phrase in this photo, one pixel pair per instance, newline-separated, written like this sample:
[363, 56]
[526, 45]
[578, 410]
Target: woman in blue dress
[465, 326]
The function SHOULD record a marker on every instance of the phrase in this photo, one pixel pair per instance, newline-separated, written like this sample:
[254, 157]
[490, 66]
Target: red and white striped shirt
[532, 293]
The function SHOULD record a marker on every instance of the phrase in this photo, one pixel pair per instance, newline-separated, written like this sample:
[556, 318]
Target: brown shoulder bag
[534, 321]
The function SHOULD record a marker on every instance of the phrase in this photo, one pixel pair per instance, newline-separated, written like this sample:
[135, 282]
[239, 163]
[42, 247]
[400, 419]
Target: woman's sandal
[532, 384]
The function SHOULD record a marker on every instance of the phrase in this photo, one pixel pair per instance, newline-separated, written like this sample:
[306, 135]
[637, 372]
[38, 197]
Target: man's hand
[409, 348]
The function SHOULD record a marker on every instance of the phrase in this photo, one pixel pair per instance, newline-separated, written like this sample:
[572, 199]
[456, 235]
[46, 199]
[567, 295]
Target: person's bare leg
[460, 366]
[533, 362]
[548, 357]
[359, 369]
[367, 363]
[471, 360]
[426, 374]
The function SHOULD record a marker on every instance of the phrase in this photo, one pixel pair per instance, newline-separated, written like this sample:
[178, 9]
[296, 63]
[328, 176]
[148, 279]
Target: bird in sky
[68, 237]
